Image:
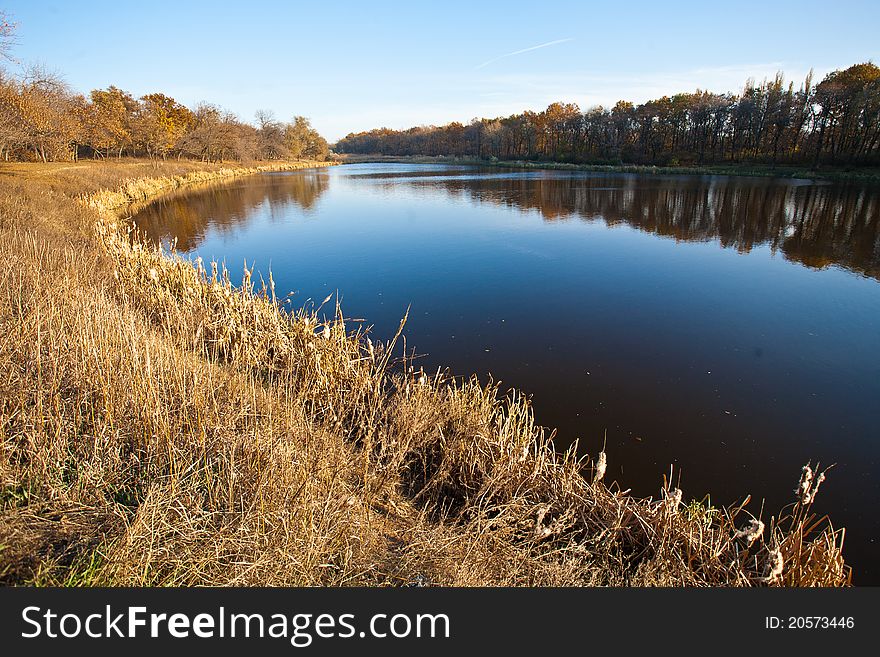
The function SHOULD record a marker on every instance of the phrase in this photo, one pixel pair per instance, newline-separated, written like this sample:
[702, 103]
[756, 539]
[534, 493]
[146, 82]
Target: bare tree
[272, 144]
[7, 36]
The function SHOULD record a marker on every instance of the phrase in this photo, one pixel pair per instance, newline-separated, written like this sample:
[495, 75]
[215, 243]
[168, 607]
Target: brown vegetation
[161, 426]
[42, 119]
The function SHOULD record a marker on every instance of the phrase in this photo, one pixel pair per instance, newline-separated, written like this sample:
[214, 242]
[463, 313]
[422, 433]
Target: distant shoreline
[868, 175]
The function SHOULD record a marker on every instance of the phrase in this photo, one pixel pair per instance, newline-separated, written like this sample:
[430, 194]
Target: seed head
[818, 482]
[601, 466]
[804, 485]
[775, 564]
[540, 530]
[751, 533]
[673, 499]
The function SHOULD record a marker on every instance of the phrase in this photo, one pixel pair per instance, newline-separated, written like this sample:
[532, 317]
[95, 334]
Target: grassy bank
[867, 174]
[162, 426]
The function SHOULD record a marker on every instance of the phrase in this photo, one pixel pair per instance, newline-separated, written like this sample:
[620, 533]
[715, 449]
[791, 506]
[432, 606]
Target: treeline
[42, 119]
[836, 121]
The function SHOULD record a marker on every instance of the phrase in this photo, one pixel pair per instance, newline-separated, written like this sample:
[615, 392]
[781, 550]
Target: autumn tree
[204, 139]
[768, 121]
[12, 134]
[42, 106]
[216, 136]
[110, 120]
[159, 122]
[303, 141]
[847, 110]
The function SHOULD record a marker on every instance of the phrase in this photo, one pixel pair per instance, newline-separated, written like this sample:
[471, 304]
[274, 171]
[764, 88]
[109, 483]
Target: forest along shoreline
[166, 426]
[842, 174]
[829, 129]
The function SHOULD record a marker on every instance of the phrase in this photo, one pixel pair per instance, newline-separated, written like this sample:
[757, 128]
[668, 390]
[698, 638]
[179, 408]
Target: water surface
[729, 327]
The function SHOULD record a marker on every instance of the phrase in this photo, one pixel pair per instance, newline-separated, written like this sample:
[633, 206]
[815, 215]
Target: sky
[352, 66]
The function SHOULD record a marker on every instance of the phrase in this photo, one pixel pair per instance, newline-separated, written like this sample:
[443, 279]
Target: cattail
[803, 489]
[423, 379]
[154, 275]
[673, 499]
[326, 332]
[540, 530]
[601, 466]
[370, 349]
[816, 485]
[774, 566]
[751, 533]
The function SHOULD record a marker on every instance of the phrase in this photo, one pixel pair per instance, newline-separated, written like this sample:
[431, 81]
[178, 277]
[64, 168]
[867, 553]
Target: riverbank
[865, 175]
[163, 426]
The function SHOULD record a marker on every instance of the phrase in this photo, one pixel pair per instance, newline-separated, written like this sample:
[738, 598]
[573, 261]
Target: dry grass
[162, 426]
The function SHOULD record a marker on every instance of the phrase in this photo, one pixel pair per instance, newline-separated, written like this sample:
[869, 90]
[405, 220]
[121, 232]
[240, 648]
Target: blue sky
[352, 66]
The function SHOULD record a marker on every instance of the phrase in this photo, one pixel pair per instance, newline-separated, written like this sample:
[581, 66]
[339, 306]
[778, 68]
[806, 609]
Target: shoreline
[192, 432]
[145, 190]
[870, 175]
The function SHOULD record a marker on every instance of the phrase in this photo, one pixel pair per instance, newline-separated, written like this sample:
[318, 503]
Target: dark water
[729, 327]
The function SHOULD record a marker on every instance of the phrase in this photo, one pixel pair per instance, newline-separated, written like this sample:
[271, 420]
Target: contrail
[519, 52]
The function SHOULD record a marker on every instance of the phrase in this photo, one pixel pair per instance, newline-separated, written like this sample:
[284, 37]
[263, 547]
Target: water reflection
[187, 215]
[816, 225]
